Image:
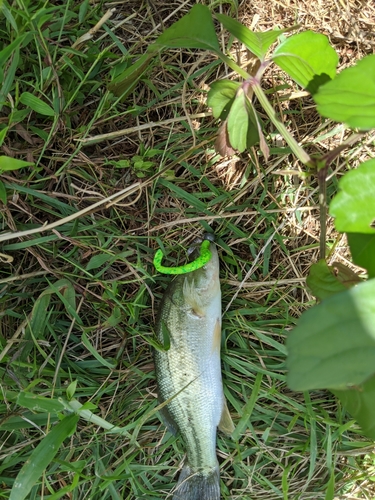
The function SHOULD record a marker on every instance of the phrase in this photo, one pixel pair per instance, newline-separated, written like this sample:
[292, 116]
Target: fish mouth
[194, 250]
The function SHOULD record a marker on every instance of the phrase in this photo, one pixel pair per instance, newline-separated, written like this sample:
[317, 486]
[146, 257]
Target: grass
[114, 180]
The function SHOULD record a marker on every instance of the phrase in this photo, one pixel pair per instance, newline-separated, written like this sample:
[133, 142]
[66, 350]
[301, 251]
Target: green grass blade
[37, 323]
[248, 409]
[39, 459]
[9, 79]
[94, 352]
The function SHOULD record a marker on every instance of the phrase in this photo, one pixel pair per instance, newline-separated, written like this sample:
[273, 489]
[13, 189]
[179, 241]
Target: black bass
[189, 375]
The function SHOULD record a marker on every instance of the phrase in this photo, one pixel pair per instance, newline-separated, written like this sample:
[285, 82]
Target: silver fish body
[189, 375]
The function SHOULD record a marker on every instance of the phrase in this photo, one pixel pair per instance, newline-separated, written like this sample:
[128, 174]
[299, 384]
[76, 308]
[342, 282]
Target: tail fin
[198, 485]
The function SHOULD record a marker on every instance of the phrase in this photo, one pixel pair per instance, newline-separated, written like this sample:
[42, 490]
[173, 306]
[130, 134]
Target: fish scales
[189, 374]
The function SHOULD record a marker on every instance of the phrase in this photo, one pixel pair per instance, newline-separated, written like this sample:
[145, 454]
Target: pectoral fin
[226, 424]
[216, 344]
[168, 420]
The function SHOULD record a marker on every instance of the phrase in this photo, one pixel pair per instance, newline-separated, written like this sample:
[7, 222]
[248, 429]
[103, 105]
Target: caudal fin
[200, 485]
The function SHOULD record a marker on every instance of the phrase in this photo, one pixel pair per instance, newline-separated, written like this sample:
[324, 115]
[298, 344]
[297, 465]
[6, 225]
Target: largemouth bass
[189, 375]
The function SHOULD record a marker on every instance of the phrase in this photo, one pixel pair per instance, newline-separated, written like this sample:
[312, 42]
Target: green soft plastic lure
[204, 257]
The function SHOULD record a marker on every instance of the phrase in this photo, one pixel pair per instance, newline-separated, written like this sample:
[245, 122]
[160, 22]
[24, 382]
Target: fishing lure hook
[204, 257]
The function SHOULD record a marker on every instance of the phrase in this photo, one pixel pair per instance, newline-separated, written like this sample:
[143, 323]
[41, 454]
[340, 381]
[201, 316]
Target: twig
[93, 31]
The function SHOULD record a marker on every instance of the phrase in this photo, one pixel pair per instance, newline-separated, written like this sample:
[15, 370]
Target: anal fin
[168, 420]
[226, 424]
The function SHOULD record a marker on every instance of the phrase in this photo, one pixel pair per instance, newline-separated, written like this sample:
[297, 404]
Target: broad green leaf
[3, 193]
[242, 128]
[333, 344]
[39, 403]
[124, 83]
[36, 104]
[41, 457]
[353, 207]
[345, 275]
[195, 30]
[98, 260]
[360, 403]
[257, 42]
[308, 58]
[238, 122]
[71, 389]
[323, 280]
[350, 97]
[94, 352]
[362, 248]
[8, 164]
[221, 96]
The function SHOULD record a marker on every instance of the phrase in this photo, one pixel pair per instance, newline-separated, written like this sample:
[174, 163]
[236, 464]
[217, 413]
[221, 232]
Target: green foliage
[308, 58]
[143, 164]
[354, 213]
[258, 43]
[324, 280]
[195, 30]
[333, 344]
[353, 207]
[360, 401]
[362, 248]
[350, 97]
[221, 96]
[242, 126]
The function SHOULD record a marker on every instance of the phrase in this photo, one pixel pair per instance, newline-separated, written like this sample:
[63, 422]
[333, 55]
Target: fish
[188, 374]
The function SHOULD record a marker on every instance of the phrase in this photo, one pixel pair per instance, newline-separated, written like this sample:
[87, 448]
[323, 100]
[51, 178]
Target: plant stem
[293, 144]
[322, 174]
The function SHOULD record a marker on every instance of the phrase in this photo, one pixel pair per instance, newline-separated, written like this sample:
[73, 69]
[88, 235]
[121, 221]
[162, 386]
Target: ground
[113, 180]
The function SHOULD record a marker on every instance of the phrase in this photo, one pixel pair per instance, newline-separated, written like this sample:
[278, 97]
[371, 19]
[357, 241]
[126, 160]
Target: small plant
[333, 345]
[143, 164]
